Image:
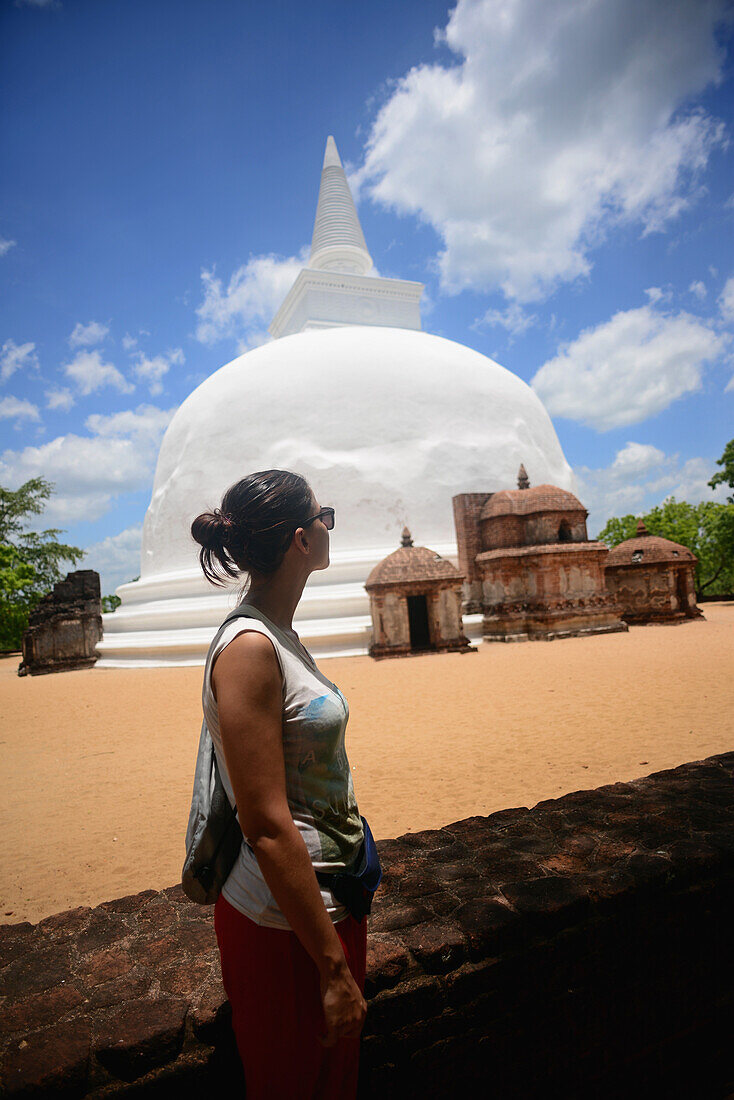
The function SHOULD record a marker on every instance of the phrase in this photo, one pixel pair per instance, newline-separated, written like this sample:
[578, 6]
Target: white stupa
[385, 421]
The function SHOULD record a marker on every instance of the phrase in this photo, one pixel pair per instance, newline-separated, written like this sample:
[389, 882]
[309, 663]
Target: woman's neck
[277, 598]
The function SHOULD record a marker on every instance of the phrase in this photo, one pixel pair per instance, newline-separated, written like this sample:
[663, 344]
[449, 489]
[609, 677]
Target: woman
[293, 957]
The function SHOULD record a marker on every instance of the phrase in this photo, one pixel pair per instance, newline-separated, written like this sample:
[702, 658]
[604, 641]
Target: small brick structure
[529, 565]
[415, 602]
[65, 627]
[653, 579]
[582, 948]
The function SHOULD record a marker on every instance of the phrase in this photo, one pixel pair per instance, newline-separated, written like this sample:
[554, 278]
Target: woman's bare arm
[247, 684]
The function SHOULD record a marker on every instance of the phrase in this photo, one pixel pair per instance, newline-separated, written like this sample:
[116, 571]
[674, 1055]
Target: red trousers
[272, 984]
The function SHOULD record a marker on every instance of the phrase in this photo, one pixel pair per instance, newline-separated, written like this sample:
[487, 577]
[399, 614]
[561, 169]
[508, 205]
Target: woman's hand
[344, 1006]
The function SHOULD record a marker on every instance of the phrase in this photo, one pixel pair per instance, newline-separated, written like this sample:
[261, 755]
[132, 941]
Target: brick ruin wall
[63, 630]
[579, 949]
[649, 592]
[467, 509]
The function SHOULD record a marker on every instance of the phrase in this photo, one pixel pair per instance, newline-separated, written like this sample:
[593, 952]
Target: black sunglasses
[326, 514]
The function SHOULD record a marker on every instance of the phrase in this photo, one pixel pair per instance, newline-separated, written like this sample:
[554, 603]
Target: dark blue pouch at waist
[356, 888]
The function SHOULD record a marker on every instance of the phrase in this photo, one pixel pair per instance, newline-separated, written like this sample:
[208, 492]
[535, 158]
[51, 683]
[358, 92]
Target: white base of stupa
[170, 619]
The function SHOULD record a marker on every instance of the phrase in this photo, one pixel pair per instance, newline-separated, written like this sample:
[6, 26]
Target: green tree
[110, 604]
[706, 528]
[618, 529]
[725, 476]
[30, 561]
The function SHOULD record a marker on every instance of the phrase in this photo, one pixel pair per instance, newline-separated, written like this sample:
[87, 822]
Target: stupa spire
[338, 242]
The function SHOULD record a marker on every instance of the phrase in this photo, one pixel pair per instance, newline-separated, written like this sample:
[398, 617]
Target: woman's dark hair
[254, 525]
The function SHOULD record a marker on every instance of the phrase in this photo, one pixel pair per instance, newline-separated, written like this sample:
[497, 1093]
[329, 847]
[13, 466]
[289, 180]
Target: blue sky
[559, 174]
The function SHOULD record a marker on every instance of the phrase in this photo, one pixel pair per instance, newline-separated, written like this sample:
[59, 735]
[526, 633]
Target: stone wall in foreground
[584, 948]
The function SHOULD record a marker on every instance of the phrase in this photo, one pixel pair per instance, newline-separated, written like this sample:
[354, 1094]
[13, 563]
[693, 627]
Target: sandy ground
[98, 764]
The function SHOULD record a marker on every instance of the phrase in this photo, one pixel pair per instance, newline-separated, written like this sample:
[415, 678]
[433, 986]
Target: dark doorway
[420, 635]
[564, 532]
[682, 591]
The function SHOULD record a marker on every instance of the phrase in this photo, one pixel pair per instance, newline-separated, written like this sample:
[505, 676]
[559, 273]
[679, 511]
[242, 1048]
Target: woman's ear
[300, 539]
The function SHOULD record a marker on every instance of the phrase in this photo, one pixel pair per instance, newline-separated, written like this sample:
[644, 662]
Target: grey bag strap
[206, 760]
[213, 834]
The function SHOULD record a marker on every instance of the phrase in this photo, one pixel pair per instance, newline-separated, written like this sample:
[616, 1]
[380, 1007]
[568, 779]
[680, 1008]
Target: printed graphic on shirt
[318, 778]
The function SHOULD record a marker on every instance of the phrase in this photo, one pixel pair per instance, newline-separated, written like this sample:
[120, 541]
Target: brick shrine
[415, 602]
[530, 566]
[653, 579]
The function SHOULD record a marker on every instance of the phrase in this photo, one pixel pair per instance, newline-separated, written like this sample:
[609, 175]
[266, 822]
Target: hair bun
[208, 529]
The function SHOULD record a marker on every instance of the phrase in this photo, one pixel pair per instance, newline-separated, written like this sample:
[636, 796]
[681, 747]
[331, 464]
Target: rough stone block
[52, 1062]
[37, 1010]
[68, 923]
[489, 925]
[397, 915]
[36, 971]
[141, 1035]
[553, 899]
[438, 948]
[16, 940]
[184, 980]
[131, 903]
[104, 965]
[212, 1017]
[413, 998]
[119, 991]
[387, 961]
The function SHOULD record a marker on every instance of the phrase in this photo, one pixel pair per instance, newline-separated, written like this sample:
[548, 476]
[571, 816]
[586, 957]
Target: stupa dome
[386, 422]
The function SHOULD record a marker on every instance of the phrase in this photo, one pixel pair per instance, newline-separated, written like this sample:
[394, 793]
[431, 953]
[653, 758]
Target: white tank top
[318, 778]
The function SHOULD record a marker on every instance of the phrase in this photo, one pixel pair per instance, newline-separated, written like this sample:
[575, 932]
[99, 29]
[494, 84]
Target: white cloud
[254, 339]
[6, 245]
[558, 120]
[117, 457]
[637, 458]
[116, 558]
[690, 482]
[656, 294]
[13, 408]
[248, 304]
[14, 356]
[152, 370]
[145, 425]
[515, 319]
[59, 399]
[640, 477]
[129, 342]
[698, 289]
[726, 300]
[90, 373]
[628, 368]
[86, 336]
